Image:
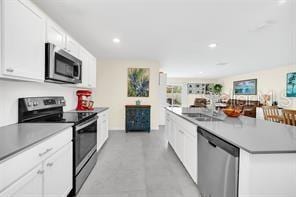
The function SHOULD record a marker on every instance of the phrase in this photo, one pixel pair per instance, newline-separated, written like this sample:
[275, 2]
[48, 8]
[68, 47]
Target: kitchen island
[267, 151]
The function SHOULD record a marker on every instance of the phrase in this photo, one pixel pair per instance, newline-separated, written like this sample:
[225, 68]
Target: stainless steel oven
[60, 66]
[85, 144]
[50, 110]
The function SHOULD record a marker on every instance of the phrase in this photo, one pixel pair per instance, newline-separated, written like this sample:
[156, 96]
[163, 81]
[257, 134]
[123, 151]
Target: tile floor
[138, 165]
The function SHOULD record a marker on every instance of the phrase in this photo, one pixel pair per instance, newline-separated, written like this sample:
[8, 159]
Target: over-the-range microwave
[60, 66]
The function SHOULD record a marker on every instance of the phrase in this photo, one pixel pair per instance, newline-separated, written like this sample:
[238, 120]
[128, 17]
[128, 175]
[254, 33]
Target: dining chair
[289, 117]
[271, 113]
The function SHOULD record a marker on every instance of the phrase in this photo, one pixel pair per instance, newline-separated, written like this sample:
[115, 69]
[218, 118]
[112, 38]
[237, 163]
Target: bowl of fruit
[232, 112]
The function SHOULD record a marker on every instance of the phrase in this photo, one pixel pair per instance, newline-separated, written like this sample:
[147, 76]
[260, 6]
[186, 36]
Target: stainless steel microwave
[60, 66]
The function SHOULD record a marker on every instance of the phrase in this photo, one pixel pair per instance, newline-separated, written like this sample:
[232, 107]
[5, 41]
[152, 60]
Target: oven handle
[83, 125]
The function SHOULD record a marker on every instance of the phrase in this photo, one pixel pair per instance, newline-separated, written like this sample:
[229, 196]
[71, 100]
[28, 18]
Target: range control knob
[30, 104]
[35, 103]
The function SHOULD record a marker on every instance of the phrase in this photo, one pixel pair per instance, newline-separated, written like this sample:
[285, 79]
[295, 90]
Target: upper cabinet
[88, 69]
[72, 46]
[24, 31]
[23, 38]
[92, 74]
[55, 34]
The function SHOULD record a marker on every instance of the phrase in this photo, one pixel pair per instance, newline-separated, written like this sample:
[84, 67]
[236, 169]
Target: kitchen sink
[201, 117]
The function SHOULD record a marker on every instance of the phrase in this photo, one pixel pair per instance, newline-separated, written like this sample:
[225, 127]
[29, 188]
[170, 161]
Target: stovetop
[66, 117]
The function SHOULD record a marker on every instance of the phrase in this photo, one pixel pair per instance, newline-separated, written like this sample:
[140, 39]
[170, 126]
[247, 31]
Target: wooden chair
[289, 117]
[271, 113]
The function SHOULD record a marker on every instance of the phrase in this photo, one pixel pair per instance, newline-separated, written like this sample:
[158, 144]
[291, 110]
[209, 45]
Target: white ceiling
[250, 34]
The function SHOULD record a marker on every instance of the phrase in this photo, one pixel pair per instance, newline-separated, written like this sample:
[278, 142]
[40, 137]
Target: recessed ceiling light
[200, 72]
[222, 64]
[282, 2]
[213, 45]
[116, 40]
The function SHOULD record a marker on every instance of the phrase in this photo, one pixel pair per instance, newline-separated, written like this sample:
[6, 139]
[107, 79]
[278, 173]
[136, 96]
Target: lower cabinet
[58, 173]
[45, 170]
[182, 136]
[102, 129]
[180, 143]
[190, 155]
[28, 185]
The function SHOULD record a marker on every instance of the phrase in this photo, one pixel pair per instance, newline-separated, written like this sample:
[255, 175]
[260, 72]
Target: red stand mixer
[84, 100]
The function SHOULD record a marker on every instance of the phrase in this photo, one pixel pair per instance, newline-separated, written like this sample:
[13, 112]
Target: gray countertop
[253, 135]
[96, 109]
[17, 137]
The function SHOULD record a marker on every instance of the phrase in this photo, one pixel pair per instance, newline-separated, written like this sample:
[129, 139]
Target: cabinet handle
[10, 70]
[49, 164]
[45, 152]
[181, 131]
[40, 172]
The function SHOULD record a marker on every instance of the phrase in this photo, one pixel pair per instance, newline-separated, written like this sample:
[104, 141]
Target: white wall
[10, 91]
[112, 90]
[188, 99]
[269, 81]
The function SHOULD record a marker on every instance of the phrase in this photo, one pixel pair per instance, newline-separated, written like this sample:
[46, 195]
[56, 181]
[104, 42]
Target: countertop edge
[101, 109]
[229, 141]
[15, 153]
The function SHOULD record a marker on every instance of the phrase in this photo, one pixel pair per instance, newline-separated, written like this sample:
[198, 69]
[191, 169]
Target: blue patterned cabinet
[137, 118]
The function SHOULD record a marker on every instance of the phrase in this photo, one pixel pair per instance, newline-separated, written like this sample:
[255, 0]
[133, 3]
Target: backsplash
[10, 91]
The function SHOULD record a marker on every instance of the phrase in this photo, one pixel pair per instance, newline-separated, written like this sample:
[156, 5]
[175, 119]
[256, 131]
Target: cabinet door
[180, 138]
[29, 185]
[167, 122]
[83, 56]
[171, 133]
[105, 127]
[72, 46]
[99, 133]
[24, 37]
[55, 35]
[92, 72]
[190, 155]
[58, 173]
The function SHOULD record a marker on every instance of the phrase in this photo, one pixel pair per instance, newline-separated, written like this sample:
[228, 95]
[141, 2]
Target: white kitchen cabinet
[92, 72]
[53, 175]
[59, 165]
[28, 185]
[23, 38]
[171, 133]
[167, 126]
[72, 46]
[55, 34]
[102, 129]
[182, 136]
[84, 57]
[180, 140]
[190, 155]
[88, 69]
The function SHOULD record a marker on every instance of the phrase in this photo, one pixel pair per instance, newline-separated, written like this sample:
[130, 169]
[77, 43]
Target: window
[174, 94]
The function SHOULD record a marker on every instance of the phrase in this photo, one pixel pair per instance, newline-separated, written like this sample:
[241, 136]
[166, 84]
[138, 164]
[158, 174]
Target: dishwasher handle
[216, 142]
[212, 144]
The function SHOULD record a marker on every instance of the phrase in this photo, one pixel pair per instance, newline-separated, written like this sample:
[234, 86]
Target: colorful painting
[138, 82]
[245, 87]
[291, 84]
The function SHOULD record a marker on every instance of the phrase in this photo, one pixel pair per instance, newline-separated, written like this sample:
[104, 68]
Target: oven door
[61, 66]
[85, 143]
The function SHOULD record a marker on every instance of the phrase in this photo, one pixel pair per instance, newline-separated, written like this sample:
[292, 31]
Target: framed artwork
[138, 82]
[291, 85]
[245, 87]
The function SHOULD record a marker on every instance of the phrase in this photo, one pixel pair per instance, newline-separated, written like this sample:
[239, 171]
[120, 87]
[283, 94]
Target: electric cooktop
[66, 117]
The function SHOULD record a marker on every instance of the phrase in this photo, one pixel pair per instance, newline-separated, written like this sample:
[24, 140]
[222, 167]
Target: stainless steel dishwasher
[218, 164]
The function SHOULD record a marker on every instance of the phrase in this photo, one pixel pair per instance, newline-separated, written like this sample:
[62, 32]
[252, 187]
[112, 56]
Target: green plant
[217, 89]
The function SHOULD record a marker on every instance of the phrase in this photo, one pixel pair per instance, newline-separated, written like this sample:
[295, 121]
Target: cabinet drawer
[185, 124]
[189, 127]
[16, 167]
